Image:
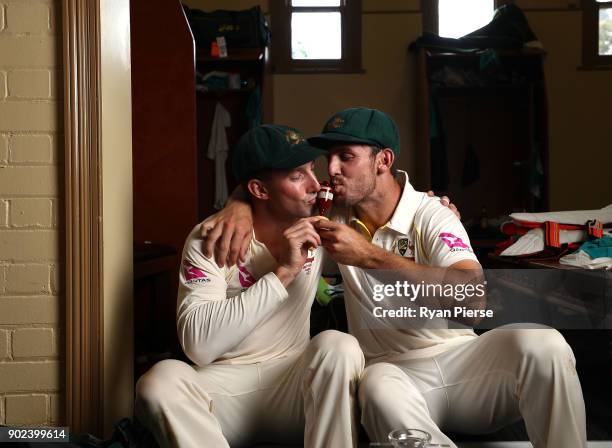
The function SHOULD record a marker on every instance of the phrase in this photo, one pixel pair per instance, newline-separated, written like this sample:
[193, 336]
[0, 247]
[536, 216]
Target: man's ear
[385, 157]
[258, 189]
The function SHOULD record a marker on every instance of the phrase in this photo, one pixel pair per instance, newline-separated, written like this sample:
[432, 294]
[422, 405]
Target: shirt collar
[403, 215]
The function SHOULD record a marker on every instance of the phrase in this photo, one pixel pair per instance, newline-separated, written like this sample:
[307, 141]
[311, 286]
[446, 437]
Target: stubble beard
[363, 188]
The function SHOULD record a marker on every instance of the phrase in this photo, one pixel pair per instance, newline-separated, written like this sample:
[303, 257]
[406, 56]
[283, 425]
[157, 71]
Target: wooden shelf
[252, 65]
[233, 55]
[224, 92]
[470, 54]
[478, 91]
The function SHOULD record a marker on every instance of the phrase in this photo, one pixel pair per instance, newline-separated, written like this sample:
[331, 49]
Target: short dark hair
[376, 150]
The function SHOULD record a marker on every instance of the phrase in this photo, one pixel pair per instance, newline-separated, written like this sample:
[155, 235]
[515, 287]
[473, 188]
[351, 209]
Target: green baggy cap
[271, 146]
[359, 125]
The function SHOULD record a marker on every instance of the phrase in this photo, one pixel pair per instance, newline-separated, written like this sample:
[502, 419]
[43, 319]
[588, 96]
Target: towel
[218, 150]
[595, 254]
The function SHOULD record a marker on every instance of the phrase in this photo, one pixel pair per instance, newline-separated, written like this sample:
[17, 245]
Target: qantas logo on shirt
[245, 277]
[308, 265]
[193, 274]
[453, 242]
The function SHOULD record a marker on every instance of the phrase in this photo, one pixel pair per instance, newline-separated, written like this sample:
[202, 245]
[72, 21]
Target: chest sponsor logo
[245, 277]
[193, 274]
[454, 242]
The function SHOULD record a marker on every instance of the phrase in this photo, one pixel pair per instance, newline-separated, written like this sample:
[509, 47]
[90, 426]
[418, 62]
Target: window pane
[458, 18]
[315, 2]
[324, 43]
[605, 31]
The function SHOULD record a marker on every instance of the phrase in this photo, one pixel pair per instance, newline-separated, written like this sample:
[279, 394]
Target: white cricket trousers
[479, 387]
[308, 399]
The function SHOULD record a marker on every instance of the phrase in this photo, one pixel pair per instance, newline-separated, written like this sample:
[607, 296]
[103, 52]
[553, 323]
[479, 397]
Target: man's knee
[543, 347]
[161, 383]
[546, 342]
[381, 382]
[339, 349]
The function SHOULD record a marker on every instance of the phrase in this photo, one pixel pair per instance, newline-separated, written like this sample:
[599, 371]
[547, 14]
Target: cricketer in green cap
[271, 147]
[255, 317]
[362, 145]
[359, 125]
[275, 164]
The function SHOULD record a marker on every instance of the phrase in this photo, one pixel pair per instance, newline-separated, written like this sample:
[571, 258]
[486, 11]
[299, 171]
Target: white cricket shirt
[243, 314]
[421, 229]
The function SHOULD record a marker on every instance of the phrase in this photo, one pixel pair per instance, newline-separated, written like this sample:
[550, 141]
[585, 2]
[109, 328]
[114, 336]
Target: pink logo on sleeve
[452, 241]
[193, 274]
[308, 265]
[245, 277]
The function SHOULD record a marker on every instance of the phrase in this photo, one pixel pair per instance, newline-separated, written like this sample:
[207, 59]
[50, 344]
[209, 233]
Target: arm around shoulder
[209, 322]
[227, 233]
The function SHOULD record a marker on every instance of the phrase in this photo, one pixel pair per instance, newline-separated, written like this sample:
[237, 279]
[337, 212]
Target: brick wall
[31, 214]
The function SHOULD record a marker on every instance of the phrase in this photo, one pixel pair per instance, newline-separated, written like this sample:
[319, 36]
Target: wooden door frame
[98, 200]
[83, 201]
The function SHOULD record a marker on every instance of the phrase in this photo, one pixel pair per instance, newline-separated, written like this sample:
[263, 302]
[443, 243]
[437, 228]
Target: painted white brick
[28, 181]
[56, 410]
[56, 84]
[3, 213]
[59, 341]
[26, 409]
[29, 84]
[2, 26]
[30, 245]
[31, 149]
[18, 116]
[27, 17]
[30, 310]
[33, 342]
[30, 75]
[55, 13]
[55, 213]
[57, 149]
[4, 345]
[57, 278]
[31, 51]
[3, 80]
[27, 279]
[2, 278]
[4, 149]
[30, 213]
[30, 376]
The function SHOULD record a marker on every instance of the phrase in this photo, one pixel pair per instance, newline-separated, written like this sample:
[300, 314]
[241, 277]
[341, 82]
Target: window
[452, 18]
[316, 36]
[456, 19]
[597, 33]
